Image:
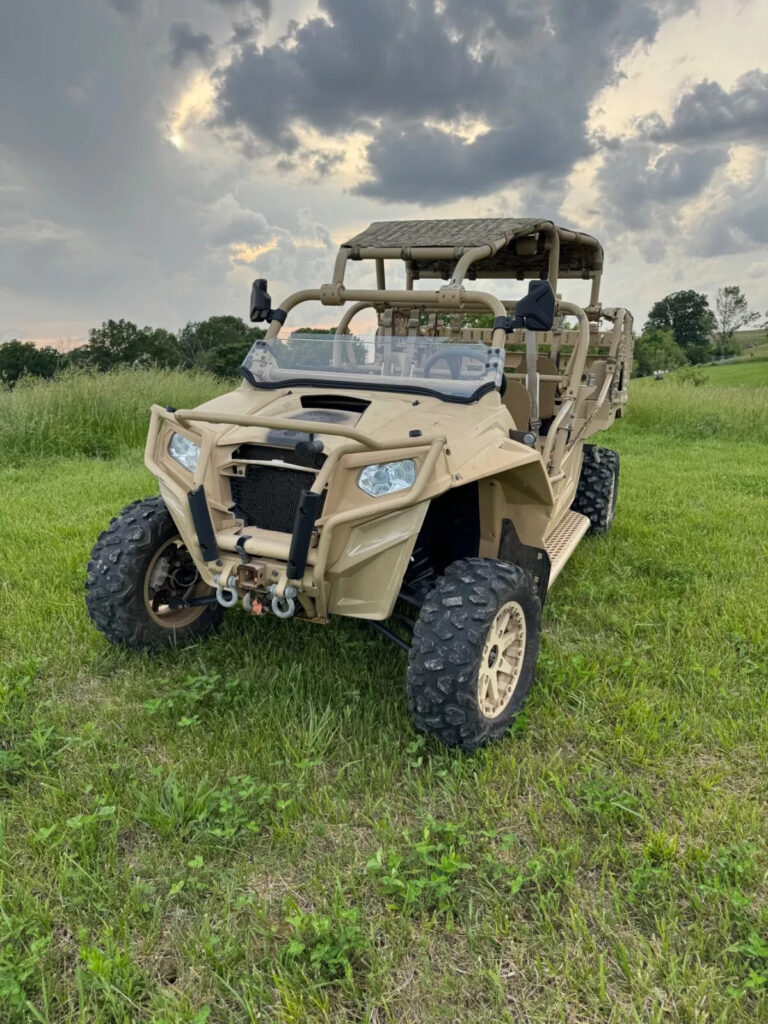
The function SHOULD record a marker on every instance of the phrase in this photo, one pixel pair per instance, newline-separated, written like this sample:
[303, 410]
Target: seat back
[518, 402]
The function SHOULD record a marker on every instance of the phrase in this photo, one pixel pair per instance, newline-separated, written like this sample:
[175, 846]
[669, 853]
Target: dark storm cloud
[435, 165]
[738, 219]
[185, 42]
[100, 214]
[263, 6]
[708, 113]
[635, 179]
[528, 71]
[373, 61]
[644, 182]
[126, 6]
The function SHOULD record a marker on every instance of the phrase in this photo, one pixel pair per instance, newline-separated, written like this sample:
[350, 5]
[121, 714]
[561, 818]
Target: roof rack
[499, 247]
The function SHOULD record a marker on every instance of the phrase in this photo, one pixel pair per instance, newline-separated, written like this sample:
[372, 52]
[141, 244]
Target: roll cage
[586, 370]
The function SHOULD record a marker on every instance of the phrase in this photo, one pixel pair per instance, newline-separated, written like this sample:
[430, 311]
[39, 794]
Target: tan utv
[430, 477]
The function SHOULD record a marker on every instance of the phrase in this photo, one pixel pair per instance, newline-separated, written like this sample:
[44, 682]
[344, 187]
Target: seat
[518, 402]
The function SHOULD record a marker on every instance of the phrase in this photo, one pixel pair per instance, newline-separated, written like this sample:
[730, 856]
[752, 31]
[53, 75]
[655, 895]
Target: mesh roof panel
[413, 233]
[580, 256]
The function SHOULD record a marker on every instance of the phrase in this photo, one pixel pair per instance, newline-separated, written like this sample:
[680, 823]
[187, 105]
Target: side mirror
[261, 301]
[536, 310]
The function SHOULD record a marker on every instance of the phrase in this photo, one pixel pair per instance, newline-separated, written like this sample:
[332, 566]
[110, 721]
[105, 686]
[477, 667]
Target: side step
[563, 540]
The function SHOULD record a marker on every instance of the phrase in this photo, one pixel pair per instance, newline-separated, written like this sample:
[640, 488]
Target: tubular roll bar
[448, 298]
[184, 416]
[465, 260]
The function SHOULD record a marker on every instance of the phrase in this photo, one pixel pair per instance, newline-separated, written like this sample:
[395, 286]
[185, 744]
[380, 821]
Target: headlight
[387, 477]
[184, 451]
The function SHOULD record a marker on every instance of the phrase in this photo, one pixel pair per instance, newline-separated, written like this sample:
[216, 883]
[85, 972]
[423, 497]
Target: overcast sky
[156, 155]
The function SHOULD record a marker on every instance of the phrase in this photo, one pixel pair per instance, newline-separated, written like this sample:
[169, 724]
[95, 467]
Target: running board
[563, 540]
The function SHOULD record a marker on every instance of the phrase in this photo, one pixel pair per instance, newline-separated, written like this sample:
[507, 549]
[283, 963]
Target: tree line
[681, 328]
[217, 345]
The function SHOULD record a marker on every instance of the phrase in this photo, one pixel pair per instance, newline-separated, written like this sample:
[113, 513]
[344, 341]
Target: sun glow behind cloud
[195, 105]
[256, 128]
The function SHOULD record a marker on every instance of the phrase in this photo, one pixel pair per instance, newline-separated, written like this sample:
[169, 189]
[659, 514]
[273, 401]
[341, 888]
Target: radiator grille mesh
[268, 497]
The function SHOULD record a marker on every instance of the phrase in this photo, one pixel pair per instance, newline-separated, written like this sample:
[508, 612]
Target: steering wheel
[454, 355]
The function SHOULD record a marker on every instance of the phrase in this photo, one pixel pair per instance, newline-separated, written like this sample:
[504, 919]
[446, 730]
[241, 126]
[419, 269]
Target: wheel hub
[172, 574]
[502, 660]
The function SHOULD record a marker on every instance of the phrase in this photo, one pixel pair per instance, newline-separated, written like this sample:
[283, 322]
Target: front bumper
[341, 560]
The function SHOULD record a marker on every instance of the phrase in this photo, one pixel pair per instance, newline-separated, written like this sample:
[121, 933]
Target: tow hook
[226, 595]
[283, 607]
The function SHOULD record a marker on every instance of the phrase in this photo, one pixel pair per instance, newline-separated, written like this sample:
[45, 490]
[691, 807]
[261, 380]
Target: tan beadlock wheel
[502, 660]
[173, 573]
[139, 568]
[473, 656]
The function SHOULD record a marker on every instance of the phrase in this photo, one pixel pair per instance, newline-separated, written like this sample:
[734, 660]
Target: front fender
[512, 484]
[366, 578]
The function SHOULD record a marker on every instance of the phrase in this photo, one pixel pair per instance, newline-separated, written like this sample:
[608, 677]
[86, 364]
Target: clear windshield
[452, 370]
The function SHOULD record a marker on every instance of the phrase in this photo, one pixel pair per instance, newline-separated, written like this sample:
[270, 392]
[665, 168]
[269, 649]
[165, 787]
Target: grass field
[249, 830]
[752, 344]
[759, 351]
[749, 373]
[752, 337]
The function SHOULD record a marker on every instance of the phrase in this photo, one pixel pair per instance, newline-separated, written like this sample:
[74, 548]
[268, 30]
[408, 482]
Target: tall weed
[688, 413]
[92, 414]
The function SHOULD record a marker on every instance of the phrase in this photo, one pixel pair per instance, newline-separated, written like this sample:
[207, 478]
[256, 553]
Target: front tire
[138, 566]
[474, 652]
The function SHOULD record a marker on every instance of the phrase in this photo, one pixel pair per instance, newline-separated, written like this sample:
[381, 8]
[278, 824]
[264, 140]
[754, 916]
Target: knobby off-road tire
[598, 487]
[474, 652]
[126, 587]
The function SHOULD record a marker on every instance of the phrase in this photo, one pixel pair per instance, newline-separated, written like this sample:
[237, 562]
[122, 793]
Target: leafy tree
[688, 316]
[732, 312]
[657, 350]
[218, 344]
[301, 351]
[477, 320]
[570, 323]
[121, 343]
[19, 358]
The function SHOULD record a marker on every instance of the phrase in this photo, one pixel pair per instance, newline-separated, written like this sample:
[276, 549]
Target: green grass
[95, 415]
[248, 829]
[751, 338]
[758, 351]
[752, 373]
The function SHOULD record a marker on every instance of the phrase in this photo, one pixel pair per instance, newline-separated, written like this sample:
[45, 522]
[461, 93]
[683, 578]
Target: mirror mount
[261, 303]
[534, 312]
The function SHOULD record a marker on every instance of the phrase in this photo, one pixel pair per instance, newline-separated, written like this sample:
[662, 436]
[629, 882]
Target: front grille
[268, 497]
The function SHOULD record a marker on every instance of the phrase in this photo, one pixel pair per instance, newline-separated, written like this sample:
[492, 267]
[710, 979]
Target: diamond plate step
[563, 540]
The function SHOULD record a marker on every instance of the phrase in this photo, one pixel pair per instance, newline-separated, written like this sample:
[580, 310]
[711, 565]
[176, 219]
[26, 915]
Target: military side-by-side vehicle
[429, 474]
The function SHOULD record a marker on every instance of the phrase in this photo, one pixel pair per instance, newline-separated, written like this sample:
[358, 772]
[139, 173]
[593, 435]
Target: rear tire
[136, 565]
[474, 652]
[598, 487]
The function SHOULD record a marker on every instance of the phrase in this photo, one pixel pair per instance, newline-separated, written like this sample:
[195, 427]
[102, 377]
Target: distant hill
[748, 339]
[752, 345]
